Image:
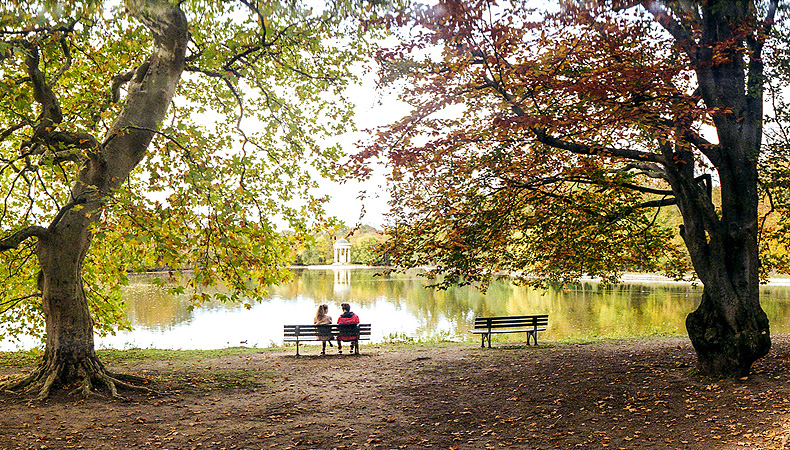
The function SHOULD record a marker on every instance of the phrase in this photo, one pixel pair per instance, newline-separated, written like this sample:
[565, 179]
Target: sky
[372, 109]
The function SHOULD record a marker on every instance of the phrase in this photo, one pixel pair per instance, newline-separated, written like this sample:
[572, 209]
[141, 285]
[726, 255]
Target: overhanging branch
[582, 149]
[13, 241]
[682, 35]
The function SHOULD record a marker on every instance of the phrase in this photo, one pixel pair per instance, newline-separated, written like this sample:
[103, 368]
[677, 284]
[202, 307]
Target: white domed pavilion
[342, 251]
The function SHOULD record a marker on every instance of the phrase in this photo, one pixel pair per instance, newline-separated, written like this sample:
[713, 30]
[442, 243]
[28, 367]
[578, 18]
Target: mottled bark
[69, 357]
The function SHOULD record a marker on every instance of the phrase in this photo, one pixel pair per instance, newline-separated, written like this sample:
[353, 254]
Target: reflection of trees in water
[152, 306]
[623, 309]
[579, 309]
[778, 308]
[586, 308]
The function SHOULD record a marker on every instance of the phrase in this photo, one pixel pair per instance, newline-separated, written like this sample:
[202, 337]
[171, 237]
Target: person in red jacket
[347, 318]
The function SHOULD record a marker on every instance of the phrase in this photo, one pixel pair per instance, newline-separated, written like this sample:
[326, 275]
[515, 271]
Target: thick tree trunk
[69, 326]
[729, 329]
[728, 332]
[69, 354]
[69, 357]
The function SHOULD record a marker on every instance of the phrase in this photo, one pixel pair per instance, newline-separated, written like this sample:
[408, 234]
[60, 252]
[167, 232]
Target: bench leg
[489, 340]
[534, 335]
[297, 347]
[482, 341]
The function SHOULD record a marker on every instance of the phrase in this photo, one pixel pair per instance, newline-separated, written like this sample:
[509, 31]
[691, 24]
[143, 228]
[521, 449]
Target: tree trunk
[69, 357]
[69, 326]
[729, 329]
[728, 332]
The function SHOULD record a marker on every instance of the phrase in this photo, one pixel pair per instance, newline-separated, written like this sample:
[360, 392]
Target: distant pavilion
[342, 251]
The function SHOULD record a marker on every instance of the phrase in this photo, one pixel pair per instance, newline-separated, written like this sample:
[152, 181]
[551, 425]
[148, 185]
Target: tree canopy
[234, 99]
[542, 143]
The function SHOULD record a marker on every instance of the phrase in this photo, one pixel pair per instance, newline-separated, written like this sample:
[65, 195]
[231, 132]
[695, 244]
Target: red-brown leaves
[535, 139]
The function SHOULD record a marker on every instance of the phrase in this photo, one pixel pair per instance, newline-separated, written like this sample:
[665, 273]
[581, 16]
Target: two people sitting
[346, 318]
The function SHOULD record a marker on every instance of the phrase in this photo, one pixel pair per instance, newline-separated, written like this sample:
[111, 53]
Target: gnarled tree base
[85, 374]
[727, 347]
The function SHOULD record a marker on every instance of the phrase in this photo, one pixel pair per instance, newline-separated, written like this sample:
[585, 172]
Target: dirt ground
[639, 394]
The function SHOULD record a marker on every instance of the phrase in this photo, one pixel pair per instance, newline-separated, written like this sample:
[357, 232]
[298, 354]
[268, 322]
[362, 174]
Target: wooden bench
[486, 326]
[302, 333]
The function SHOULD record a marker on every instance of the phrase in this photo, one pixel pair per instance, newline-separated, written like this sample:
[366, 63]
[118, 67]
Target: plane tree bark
[69, 356]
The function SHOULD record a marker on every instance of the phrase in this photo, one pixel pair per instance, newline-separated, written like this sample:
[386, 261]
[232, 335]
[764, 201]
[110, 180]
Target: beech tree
[157, 133]
[543, 144]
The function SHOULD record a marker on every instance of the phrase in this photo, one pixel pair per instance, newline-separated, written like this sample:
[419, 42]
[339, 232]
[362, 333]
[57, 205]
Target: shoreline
[628, 277]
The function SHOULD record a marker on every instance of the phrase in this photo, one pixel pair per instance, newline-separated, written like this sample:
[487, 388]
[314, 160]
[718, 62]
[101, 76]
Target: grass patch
[20, 358]
[209, 379]
[139, 354]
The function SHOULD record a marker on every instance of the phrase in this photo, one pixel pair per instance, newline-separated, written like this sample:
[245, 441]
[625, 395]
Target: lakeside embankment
[629, 277]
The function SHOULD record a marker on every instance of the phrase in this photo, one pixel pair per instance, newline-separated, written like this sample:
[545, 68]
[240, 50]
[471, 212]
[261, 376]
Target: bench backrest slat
[536, 320]
[326, 329]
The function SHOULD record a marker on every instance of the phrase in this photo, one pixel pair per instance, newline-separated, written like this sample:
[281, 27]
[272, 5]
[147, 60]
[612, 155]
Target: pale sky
[372, 109]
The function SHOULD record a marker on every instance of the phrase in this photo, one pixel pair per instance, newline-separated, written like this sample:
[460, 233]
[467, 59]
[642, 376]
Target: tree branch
[64, 46]
[681, 34]
[582, 149]
[651, 170]
[577, 179]
[13, 241]
[709, 149]
[659, 203]
[117, 82]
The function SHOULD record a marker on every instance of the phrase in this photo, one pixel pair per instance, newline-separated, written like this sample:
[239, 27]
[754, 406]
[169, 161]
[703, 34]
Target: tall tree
[175, 134]
[541, 143]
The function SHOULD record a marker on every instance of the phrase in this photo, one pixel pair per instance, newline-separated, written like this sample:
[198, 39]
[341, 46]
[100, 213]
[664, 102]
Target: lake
[400, 307]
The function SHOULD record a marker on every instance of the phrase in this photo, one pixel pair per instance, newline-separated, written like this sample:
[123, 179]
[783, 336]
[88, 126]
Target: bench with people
[347, 330]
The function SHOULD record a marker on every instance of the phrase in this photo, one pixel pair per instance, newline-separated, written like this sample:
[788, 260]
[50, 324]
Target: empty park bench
[486, 326]
[303, 333]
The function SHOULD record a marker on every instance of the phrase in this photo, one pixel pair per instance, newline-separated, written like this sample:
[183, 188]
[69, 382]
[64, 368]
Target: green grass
[188, 359]
[203, 378]
[146, 354]
[20, 358]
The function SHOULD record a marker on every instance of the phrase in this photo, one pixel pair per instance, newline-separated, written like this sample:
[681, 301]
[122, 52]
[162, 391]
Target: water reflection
[400, 304]
[342, 281]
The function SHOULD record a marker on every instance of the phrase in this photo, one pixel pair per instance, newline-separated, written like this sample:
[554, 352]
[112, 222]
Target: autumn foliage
[546, 143]
[476, 191]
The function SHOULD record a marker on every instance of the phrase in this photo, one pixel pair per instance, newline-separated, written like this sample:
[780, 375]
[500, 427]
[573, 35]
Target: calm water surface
[399, 306]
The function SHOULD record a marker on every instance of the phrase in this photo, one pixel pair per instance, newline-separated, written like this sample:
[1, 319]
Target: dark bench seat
[486, 326]
[302, 333]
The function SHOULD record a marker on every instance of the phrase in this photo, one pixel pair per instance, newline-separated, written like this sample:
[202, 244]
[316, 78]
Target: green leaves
[230, 169]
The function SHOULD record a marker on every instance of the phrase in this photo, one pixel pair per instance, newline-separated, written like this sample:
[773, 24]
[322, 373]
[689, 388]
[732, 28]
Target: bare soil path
[631, 394]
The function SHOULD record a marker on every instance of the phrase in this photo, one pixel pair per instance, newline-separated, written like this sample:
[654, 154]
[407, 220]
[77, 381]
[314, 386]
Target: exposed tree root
[85, 374]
